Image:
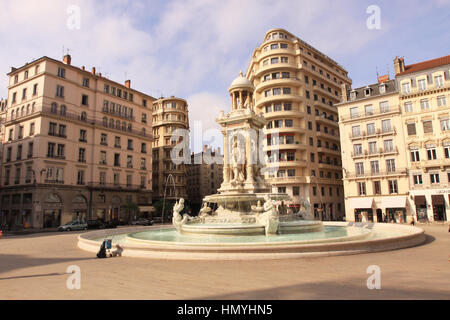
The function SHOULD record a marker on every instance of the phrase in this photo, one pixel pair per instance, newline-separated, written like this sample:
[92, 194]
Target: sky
[193, 49]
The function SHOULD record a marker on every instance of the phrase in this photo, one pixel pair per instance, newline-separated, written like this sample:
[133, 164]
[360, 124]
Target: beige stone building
[374, 163]
[169, 115]
[204, 176]
[76, 146]
[424, 94]
[296, 88]
[397, 163]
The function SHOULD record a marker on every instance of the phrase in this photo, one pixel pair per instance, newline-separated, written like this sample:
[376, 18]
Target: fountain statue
[245, 203]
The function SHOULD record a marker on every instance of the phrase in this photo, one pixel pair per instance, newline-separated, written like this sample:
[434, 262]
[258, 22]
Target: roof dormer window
[352, 95]
[382, 88]
[367, 92]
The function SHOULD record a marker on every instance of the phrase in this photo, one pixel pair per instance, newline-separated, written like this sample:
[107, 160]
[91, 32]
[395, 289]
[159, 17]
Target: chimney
[128, 83]
[83, 68]
[344, 89]
[399, 65]
[67, 59]
[93, 70]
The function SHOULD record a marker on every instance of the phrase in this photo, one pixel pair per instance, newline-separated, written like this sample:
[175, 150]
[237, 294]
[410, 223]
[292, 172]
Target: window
[434, 178]
[384, 106]
[382, 88]
[424, 104]
[406, 88]
[390, 165]
[129, 161]
[369, 110]
[81, 155]
[288, 123]
[422, 84]
[441, 101]
[376, 187]
[84, 100]
[388, 145]
[61, 72]
[106, 88]
[83, 135]
[415, 154]
[80, 177]
[51, 149]
[117, 142]
[86, 82]
[354, 113]
[386, 125]
[447, 150]
[144, 118]
[276, 91]
[374, 167]
[411, 128]
[102, 157]
[143, 148]
[286, 90]
[30, 150]
[274, 60]
[357, 149]
[417, 179]
[361, 188]
[438, 81]
[371, 128]
[35, 89]
[373, 147]
[143, 164]
[103, 139]
[408, 107]
[392, 185]
[427, 126]
[431, 152]
[359, 168]
[356, 131]
[116, 159]
[116, 179]
[130, 144]
[60, 91]
[19, 152]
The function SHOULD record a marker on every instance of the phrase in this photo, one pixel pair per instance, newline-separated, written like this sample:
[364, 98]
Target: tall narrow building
[296, 88]
[169, 178]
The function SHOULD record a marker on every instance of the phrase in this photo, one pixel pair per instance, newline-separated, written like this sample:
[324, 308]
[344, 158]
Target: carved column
[226, 168]
[241, 104]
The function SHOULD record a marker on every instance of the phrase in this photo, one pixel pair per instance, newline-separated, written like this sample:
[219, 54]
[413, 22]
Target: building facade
[397, 165]
[296, 88]
[424, 94]
[374, 163]
[76, 146]
[204, 176]
[169, 178]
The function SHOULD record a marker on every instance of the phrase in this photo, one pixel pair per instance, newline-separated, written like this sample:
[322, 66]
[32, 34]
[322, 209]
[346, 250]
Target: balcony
[117, 114]
[327, 120]
[378, 133]
[375, 113]
[335, 152]
[114, 186]
[354, 175]
[278, 97]
[56, 156]
[53, 181]
[328, 136]
[279, 82]
[272, 67]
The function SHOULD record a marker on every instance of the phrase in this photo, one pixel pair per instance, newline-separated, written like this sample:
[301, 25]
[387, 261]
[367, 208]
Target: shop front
[420, 202]
[395, 207]
[362, 209]
[51, 208]
[438, 203]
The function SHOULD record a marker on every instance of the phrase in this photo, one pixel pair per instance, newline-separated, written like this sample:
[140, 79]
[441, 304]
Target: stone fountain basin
[243, 197]
[377, 237]
[230, 229]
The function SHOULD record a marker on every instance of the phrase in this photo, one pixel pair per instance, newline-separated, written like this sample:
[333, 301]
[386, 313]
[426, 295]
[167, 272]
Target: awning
[437, 199]
[361, 203]
[393, 202]
[420, 201]
[146, 208]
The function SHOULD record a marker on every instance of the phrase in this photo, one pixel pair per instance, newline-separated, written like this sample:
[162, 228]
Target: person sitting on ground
[102, 252]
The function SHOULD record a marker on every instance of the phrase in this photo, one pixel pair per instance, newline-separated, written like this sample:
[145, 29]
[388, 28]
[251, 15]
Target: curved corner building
[169, 114]
[296, 87]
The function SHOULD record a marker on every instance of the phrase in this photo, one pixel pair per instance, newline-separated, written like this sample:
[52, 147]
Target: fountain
[247, 223]
[244, 188]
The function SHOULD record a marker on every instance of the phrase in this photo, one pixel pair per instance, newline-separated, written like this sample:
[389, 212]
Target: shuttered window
[411, 129]
[428, 126]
